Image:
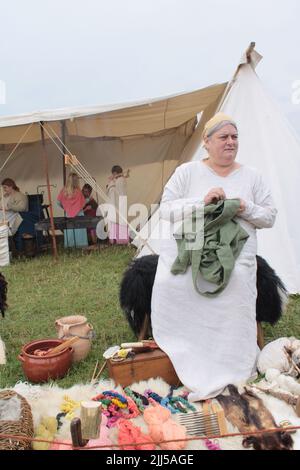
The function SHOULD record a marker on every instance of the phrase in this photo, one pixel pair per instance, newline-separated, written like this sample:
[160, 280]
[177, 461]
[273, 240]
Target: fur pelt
[137, 283]
[247, 412]
[3, 294]
[271, 293]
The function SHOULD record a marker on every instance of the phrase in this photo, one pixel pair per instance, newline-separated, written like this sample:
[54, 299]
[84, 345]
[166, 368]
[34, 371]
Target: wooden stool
[260, 336]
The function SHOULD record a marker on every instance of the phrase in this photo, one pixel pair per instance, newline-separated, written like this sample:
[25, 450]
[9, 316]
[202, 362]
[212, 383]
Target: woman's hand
[214, 195]
[242, 206]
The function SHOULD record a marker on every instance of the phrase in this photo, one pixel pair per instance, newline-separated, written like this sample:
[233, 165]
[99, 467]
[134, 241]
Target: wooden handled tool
[150, 344]
[66, 344]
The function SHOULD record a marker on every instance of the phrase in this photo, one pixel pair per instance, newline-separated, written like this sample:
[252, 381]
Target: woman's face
[222, 146]
[7, 189]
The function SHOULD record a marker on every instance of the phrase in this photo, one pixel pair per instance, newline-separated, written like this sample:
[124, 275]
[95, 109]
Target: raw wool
[285, 383]
[10, 410]
[273, 355]
[2, 353]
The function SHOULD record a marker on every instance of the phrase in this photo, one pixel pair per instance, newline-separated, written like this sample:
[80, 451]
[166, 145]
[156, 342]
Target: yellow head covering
[215, 121]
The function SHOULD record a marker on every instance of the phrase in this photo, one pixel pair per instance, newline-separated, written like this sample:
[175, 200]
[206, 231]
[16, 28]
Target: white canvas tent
[147, 137]
[268, 143]
[153, 137]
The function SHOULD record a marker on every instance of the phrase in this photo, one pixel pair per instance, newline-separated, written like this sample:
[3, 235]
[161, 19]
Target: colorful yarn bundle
[116, 396]
[166, 403]
[128, 432]
[136, 398]
[116, 406]
[174, 404]
[133, 410]
[163, 428]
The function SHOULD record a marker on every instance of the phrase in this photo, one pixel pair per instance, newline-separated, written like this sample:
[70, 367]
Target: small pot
[40, 368]
[76, 325]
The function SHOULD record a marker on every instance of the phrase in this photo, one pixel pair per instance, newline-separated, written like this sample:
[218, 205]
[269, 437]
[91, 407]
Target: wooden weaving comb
[208, 422]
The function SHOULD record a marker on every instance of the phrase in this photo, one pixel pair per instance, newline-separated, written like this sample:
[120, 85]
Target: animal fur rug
[45, 400]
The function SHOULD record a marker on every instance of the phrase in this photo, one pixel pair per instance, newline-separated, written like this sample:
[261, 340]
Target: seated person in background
[90, 210]
[14, 202]
[72, 201]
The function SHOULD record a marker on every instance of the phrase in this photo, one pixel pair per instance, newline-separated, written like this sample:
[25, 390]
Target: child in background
[116, 189]
[90, 209]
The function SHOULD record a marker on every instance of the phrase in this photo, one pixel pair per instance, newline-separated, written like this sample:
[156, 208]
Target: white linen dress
[210, 341]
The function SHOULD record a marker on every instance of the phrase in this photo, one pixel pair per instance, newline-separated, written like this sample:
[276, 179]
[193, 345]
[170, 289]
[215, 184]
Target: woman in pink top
[72, 201]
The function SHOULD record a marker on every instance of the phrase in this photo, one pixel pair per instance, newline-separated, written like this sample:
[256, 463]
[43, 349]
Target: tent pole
[63, 148]
[54, 247]
[249, 50]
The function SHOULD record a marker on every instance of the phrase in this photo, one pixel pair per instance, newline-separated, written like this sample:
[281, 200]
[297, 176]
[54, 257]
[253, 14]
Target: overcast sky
[59, 53]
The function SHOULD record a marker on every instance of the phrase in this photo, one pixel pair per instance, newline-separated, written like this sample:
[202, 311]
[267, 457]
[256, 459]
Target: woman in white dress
[116, 189]
[211, 341]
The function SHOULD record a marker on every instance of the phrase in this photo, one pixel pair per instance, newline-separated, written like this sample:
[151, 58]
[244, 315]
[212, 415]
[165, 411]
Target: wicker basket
[23, 427]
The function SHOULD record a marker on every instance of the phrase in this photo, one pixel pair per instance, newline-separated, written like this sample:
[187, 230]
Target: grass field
[41, 291]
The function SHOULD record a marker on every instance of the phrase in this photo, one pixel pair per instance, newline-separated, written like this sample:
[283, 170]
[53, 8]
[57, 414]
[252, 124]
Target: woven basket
[23, 427]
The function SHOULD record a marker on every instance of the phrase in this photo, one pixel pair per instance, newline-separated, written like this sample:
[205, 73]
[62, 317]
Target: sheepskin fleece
[273, 355]
[45, 400]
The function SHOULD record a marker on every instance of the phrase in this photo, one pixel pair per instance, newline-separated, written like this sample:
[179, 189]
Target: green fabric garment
[213, 252]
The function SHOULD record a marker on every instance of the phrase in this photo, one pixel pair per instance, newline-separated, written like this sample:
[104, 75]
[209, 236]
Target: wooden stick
[3, 207]
[90, 415]
[45, 156]
[100, 371]
[145, 327]
[260, 336]
[286, 397]
[297, 408]
[295, 365]
[216, 407]
[93, 376]
[61, 347]
[291, 360]
[76, 434]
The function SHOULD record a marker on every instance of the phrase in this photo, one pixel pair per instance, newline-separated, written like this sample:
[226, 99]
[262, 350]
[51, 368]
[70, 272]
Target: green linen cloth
[214, 251]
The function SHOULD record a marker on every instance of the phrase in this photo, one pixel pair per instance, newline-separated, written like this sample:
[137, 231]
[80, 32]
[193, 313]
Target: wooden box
[143, 366]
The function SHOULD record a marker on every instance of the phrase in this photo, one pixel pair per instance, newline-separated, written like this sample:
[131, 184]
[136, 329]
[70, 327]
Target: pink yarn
[163, 428]
[212, 445]
[128, 432]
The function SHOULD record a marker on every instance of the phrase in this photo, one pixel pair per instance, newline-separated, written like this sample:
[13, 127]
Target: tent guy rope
[84, 174]
[16, 146]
